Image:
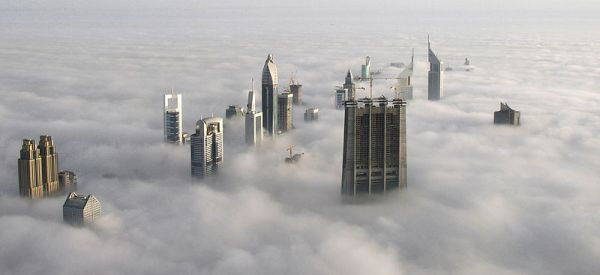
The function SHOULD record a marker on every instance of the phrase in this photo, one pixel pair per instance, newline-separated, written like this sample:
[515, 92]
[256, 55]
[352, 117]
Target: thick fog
[481, 199]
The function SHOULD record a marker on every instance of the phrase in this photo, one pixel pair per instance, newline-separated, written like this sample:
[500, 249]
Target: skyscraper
[349, 86]
[173, 118]
[81, 210]
[296, 90]
[374, 158]
[207, 147]
[507, 115]
[30, 173]
[234, 111]
[340, 97]
[67, 180]
[311, 114]
[366, 68]
[284, 112]
[49, 167]
[254, 120]
[404, 85]
[435, 88]
[269, 95]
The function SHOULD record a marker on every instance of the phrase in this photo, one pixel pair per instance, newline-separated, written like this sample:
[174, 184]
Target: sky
[481, 199]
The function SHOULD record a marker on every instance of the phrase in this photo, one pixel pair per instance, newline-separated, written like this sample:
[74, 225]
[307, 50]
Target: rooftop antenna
[252, 81]
[428, 42]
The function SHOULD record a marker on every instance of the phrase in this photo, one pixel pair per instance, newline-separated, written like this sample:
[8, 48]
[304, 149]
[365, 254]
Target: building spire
[428, 42]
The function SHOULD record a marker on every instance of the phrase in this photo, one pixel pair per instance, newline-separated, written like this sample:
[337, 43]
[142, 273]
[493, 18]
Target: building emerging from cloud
[374, 158]
[366, 68]
[349, 86]
[81, 210]
[404, 86]
[435, 81]
[254, 121]
[269, 95]
[296, 90]
[173, 118]
[284, 112]
[507, 115]
[207, 147]
[30, 173]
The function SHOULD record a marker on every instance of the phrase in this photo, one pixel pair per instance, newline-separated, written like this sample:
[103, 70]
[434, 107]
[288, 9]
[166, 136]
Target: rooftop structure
[80, 209]
[349, 86]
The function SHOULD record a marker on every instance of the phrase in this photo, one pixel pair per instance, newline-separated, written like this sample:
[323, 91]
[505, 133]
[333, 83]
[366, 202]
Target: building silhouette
[311, 114]
[270, 83]
[349, 86]
[507, 115]
[374, 159]
[173, 118]
[234, 111]
[67, 180]
[254, 120]
[296, 90]
[404, 85]
[284, 112]
[30, 172]
[435, 87]
[81, 210]
[49, 165]
[207, 147]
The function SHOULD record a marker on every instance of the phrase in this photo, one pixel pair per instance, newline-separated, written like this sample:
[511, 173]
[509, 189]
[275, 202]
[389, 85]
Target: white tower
[254, 120]
[173, 118]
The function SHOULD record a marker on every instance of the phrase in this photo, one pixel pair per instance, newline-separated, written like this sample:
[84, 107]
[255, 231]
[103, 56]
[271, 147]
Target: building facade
[374, 159]
[207, 147]
[173, 118]
[254, 121]
[296, 90]
[67, 181]
[49, 165]
[435, 76]
[285, 112]
[81, 210]
[234, 111]
[30, 172]
[311, 114]
[507, 115]
[270, 82]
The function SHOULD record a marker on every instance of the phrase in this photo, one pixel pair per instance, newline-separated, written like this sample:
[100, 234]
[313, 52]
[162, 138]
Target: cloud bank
[481, 199]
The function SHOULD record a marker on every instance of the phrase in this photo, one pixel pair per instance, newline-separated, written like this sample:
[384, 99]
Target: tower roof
[269, 74]
[431, 55]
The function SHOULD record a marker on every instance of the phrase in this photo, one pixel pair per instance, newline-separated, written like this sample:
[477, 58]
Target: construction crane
[371, 78]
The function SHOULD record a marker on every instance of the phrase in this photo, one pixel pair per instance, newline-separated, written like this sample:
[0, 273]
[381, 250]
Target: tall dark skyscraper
[374, 158]
[269, 95]
[284, 112]
[349, 85]
[507, 115]
[435, 88]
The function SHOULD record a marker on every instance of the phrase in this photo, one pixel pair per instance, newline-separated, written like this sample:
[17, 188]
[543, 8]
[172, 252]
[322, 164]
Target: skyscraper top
[431, 55]
[349, 77]
[269, 76]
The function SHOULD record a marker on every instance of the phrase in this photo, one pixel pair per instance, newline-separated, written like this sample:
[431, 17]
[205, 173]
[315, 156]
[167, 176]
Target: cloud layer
[481, 199]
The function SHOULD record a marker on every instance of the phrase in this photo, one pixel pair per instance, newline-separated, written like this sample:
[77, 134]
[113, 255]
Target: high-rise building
[507, 115]
[30, 172]
[435, 87]
[366, 68]
[311, 114]
[374, 158]
[49, 165]
[296, 90]
[67, 181]
[340, 97]
[80, 209]
[254, 120]
[349, 86]
[234, 111]
[173, 118]
[269, 95]
[207, 147]
[404, 85]
[284, 112]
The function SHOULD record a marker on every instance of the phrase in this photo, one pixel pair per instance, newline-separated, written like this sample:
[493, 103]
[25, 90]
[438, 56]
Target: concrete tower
[30, 173]
[254, 121]
[349, 86]
[269, 95]
[173, 118]
[49, 166]
[435, 88]
[207, 147]
[374, 158]
[284, 112]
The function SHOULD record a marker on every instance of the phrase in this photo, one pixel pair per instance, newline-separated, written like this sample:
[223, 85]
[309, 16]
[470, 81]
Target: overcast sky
[481, 199]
